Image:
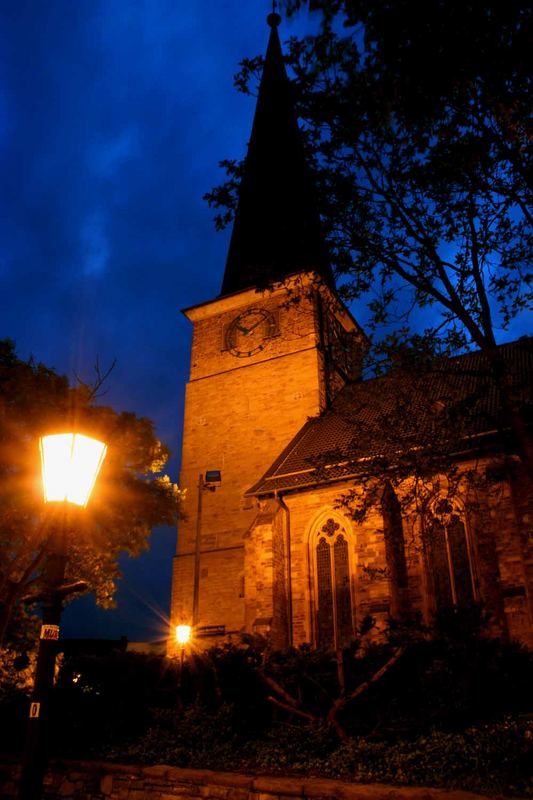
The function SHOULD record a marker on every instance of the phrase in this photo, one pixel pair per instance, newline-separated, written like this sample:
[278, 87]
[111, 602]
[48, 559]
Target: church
[283, 439]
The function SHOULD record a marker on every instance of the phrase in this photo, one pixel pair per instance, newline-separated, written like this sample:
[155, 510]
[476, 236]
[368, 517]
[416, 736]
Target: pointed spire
[277, 228]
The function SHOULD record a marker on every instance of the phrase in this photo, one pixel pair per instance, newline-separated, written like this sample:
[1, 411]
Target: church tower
[268, 353]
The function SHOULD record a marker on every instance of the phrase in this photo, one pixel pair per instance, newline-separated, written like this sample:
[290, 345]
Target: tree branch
[339, 704]
[274, 685]
[292, 710]
[476, 271]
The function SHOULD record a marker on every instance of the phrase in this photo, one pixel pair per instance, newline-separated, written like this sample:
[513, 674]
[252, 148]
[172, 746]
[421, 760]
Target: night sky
[113, 118]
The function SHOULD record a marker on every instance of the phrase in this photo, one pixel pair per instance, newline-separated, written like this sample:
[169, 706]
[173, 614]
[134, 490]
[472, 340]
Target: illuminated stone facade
[240, 412]
[390, 573]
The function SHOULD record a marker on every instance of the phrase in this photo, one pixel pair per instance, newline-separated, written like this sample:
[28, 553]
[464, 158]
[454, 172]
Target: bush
[104, 700]
[495, 758]
[446, 713]
[195, 737]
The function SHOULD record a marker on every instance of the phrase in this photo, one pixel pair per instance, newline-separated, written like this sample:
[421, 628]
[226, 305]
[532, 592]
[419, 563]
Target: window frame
[456, 509]
[315, 535]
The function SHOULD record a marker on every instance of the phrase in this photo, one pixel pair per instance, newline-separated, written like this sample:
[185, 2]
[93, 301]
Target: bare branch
[292, 710]
[94, 388]
[274, 685]
[339, 704]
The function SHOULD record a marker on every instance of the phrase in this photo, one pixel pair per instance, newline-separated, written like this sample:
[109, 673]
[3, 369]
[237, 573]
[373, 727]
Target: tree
[133, 494]
[417, 120]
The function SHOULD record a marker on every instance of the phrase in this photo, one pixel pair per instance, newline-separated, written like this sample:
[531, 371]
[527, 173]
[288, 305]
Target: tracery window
[450, 558]
[334, 615]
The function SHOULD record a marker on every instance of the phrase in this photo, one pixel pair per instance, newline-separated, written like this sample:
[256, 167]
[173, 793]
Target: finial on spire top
[274, 18]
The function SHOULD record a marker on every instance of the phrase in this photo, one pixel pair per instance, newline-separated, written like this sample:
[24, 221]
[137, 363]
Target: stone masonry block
[106, 784]
[210, 790]
[288, 786]
[238, 794]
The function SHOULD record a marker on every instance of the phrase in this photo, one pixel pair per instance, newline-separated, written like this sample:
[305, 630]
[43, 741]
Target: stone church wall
[511, 513]
[499, 553]
[240, 413]
[310, 510]
[258, 564]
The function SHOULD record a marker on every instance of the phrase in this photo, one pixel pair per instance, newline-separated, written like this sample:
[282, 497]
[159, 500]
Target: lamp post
[213, 478]
[183, 636]
[70, 465]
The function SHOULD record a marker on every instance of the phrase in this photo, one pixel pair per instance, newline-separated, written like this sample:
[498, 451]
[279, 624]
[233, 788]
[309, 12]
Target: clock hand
[259, 321]
[246, 331]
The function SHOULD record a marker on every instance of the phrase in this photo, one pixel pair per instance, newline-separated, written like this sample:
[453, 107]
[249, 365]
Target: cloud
[107, 157]
[95, 246]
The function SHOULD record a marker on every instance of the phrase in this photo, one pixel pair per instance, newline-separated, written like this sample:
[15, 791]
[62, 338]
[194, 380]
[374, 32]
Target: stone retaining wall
[103, 781]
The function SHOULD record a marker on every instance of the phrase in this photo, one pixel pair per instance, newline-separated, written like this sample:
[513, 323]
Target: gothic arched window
[449, 557]
[334, 616]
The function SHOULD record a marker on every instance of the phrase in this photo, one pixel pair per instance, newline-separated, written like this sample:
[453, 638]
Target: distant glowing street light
[183, 634]
[70, 465]
[183, 637]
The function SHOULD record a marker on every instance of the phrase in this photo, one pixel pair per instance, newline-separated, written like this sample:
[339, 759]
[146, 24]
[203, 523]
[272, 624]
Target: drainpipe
[280, 500]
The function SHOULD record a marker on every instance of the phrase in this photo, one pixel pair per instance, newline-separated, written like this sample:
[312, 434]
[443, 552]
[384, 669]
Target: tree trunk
[6, 610]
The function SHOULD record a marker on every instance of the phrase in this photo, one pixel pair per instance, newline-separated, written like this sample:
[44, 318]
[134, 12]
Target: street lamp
[213, 478]
[70, 465]
[183, 637]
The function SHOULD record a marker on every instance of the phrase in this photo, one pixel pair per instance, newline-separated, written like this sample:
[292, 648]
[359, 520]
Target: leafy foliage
[418, 125]
[132, 495]
[435, 719]
[452, 711]
[417, 122]
[489, 758]
[101, 700]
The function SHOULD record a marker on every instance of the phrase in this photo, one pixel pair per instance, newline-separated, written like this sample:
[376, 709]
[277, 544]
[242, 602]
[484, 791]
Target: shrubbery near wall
[451, 710]
[493, 758]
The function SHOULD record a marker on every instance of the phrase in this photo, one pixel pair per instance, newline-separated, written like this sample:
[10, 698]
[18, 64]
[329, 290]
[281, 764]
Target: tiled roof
[456, 399]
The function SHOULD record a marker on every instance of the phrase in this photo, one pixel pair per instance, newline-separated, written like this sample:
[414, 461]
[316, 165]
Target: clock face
[249, 332]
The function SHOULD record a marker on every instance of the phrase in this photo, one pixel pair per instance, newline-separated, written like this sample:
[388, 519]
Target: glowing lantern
[70, 465]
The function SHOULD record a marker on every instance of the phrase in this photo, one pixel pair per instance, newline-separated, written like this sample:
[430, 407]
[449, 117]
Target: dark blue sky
[113, 118]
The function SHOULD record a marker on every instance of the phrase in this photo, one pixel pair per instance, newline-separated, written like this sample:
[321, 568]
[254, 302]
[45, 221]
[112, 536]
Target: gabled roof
[276, 231]
[452, 405]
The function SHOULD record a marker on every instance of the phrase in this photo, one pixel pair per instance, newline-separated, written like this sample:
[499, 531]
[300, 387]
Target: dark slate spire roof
[277, 229]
